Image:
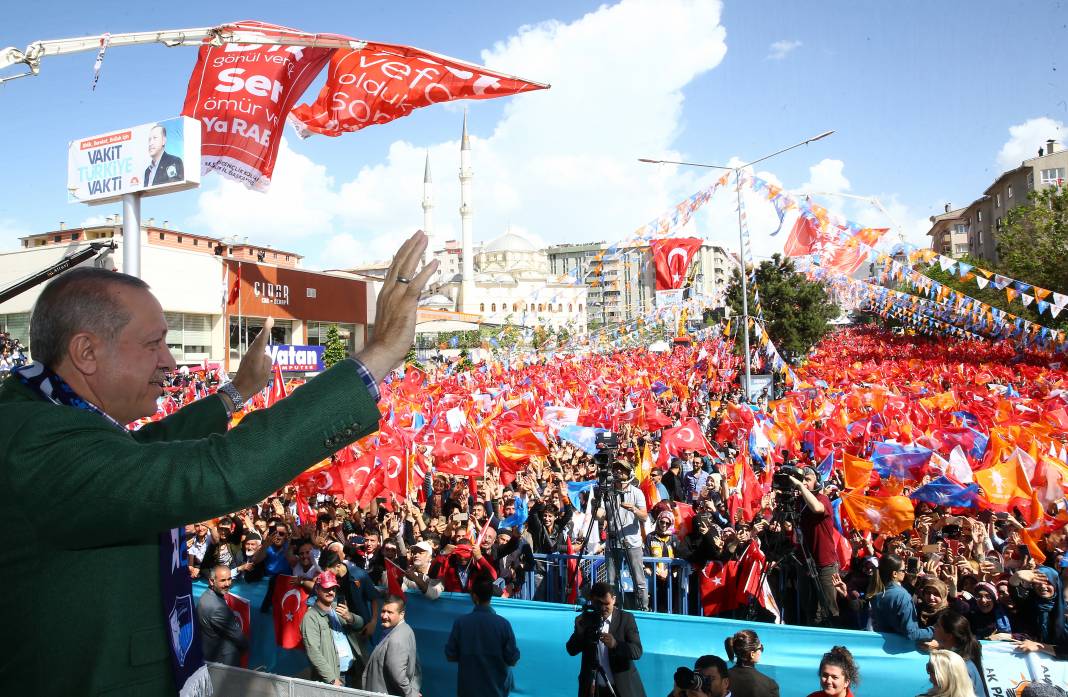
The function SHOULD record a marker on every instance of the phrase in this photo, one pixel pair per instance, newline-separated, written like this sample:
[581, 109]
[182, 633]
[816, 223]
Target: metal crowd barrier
[228, 680]
[550, 580]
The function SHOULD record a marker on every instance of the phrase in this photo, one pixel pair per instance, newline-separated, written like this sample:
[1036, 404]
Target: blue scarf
[191, 677]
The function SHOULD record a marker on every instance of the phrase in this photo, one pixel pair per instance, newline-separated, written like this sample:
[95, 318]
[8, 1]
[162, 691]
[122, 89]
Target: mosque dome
[510, 242]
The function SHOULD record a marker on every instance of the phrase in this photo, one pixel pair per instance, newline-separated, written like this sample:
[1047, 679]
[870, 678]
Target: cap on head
[425, 546]
[326, 580]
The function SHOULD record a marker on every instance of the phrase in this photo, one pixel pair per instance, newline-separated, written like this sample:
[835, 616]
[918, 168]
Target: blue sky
[922, 96]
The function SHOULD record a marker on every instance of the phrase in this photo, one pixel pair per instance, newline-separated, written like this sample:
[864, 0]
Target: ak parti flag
[289, 604]
[890, 515]
[381, 82]
[856, 470]
[1005, 486]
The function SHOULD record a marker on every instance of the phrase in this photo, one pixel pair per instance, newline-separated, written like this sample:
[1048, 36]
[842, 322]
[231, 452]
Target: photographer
[629, 516]
[608, 640]
[709, 678]
[817, 528]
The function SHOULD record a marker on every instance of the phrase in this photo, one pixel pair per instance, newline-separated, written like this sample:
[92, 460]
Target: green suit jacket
[82, 505]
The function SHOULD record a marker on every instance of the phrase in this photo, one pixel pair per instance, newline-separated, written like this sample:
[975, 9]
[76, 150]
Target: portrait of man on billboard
[163, 167]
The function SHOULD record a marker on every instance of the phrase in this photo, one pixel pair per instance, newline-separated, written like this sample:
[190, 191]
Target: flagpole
[741, 233]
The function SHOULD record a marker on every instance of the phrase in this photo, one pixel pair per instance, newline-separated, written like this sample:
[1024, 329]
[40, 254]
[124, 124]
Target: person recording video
[817, 528]
[607, 638]
[624, 522]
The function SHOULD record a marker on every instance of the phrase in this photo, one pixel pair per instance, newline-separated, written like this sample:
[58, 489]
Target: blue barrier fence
[551, 580]
[889, 665]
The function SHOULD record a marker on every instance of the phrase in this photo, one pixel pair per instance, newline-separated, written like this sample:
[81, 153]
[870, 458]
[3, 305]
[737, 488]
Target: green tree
[1033, 241]
[335, 347]
[412, 358]
[796, 310]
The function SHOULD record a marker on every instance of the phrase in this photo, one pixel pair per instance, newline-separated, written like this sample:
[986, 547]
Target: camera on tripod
[606, 444]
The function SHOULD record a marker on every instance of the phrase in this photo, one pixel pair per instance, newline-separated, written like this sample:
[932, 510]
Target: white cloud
[547, 166]
[780, 49]
[827, 176]
[1026, 138]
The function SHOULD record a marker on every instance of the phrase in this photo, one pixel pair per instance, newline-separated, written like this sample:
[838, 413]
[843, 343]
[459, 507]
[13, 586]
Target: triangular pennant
[1027, 299]
[981, 282]
[1001, 281]
[1042, 293]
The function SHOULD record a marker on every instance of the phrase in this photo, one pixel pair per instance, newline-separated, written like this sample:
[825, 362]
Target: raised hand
[396, 308]
[255, 368]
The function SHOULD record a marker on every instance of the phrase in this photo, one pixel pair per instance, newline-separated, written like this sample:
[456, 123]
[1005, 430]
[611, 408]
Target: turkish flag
[463, 461]
[686, 437]
[750, 573]
[671, 258]
[804, 238]
[394, 576]
[241, 93]
[395, 465]
[718, 583]
[382, 82]
[848, 256]
[322, 480]
[289, 604]
[277, 390]
[243, 609]
[574, 574]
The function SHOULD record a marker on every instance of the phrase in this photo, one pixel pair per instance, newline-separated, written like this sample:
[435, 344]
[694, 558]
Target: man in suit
[164, 167]
[393, 667]
[483, 643]
[608, 640]
[220, 628]
[93, 510]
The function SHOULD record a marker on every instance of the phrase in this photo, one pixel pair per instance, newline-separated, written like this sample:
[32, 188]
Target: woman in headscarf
[931, 599]
[1046, 612]
[987, 617]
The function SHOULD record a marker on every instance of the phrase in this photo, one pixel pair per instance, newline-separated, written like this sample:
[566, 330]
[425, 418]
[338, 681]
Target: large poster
[151, 159]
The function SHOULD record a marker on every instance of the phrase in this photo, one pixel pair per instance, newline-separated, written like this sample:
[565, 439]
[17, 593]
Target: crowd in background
[951, 576]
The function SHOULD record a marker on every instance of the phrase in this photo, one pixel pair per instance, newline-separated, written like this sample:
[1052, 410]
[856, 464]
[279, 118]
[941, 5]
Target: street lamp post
[741, 235]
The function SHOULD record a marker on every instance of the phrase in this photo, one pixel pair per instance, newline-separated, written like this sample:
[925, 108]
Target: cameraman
[817, 528]
[609, 643]
[625, 528]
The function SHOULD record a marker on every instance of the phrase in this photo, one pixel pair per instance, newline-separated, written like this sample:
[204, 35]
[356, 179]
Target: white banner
[150, 158]
[1008, 672]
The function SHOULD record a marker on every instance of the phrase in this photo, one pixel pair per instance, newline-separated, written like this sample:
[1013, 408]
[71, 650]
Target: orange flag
[891, 515]
[857, 471]
[1005, 485]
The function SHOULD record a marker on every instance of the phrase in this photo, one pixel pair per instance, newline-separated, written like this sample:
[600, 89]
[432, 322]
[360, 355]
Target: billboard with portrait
[153, 158]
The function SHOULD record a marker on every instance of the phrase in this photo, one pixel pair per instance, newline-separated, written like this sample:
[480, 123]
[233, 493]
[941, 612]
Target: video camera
[606, 444]
[786, 477]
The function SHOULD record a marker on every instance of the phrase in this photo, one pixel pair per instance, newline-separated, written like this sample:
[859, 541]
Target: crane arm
[216, 36]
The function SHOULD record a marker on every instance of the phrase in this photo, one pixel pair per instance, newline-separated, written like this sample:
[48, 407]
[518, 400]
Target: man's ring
[402, 279]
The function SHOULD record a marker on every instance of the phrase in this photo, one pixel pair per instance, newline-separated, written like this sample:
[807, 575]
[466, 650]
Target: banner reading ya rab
[241, 94]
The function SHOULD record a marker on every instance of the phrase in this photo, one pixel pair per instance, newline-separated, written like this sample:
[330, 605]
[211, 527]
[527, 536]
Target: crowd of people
[12, 353]
[754, 497]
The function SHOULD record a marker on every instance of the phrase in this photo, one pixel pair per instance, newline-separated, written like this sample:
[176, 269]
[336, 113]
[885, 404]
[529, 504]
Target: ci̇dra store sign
[150, 159]
[308, 359]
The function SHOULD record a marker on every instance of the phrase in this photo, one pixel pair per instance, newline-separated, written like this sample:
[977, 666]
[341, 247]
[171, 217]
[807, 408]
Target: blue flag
[946, 492]
[826, 467]
[901, 461]
[575, 489]
[582, 436]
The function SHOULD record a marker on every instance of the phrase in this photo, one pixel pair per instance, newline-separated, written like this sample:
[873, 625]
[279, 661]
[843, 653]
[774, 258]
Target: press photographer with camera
[709, 678]
[817, 529]
[607, 637]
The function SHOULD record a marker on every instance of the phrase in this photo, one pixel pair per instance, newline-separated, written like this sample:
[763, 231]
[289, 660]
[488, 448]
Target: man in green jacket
[88, 506]
[323, 626]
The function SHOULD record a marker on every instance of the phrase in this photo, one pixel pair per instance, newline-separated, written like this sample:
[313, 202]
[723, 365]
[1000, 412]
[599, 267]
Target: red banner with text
[241, 94]
[383, 82]
[672, 258]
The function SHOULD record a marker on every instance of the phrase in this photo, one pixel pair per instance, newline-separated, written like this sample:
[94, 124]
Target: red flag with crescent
[243, 609]
[688, 436]
[804, 238]
[289, 603]
[462, 461]
[671, 258]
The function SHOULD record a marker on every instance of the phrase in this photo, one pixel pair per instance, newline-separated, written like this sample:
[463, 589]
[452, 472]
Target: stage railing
[551, 580]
